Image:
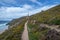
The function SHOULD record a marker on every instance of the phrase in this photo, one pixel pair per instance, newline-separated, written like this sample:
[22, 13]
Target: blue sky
[10, 9]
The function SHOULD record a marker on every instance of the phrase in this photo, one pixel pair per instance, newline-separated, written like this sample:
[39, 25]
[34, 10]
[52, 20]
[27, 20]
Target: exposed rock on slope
[52, 35]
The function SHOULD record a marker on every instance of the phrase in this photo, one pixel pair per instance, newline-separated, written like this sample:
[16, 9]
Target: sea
[3, 26]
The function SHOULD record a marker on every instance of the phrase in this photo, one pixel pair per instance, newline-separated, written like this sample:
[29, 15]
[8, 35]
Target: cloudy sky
[10, 9]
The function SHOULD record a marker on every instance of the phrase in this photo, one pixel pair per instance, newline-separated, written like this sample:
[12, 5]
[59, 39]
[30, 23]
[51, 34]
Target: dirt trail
[52, 27]
[25, 32]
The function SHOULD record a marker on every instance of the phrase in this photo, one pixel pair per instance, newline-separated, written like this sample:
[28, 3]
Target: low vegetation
[36, 32]
[14, 33]
[49, 17]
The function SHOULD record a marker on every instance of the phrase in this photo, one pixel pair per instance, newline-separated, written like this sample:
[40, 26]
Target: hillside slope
[15, 30]
[37, 25]
[36, 31]
[48, 15]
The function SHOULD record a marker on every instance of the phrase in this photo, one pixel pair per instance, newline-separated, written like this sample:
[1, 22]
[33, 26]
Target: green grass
[45, 16]
[35, 33]
[13, 33]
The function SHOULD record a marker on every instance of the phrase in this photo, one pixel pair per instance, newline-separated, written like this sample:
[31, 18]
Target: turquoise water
[3, 27]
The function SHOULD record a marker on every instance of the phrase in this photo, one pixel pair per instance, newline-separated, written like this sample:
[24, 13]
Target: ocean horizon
[3, 27]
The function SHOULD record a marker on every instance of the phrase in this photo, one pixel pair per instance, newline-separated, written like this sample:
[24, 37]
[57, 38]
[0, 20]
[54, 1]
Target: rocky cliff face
[52, 35]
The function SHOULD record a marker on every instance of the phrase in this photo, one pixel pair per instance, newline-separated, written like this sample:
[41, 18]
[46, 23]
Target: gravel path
[25, 32]
[51, 27]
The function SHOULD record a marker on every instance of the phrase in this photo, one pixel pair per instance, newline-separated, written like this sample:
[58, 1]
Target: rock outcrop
[52, 35]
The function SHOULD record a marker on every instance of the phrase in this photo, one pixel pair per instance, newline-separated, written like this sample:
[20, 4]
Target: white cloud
[44, 8]
[15, 12]
[33, 0]
[8, 1]
[26, 6]
[15, 9]
[12, 12]
[47, 7]
[36, 1]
